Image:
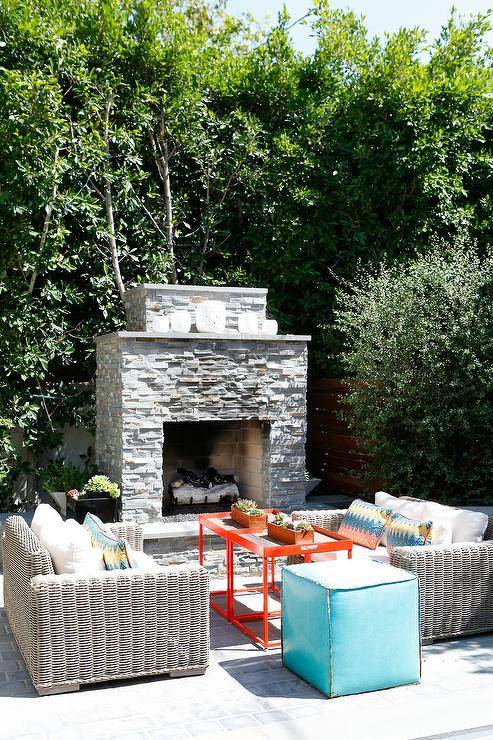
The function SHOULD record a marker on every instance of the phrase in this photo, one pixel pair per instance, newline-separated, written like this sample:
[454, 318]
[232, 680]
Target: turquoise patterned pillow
[404, 532]
[114, 550]
[364, 523]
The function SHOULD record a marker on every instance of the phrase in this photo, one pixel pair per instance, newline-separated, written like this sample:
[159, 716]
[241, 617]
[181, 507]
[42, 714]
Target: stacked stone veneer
[146, 301]
[144, 380]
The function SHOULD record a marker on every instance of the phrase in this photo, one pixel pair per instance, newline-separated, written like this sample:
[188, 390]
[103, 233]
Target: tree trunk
[162, 156]
[108, 204]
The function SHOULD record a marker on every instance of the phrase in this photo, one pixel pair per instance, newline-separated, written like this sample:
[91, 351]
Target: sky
[381, 15]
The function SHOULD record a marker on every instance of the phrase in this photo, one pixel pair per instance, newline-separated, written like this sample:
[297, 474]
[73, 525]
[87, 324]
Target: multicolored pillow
[363, 523]
[114, 550]
[404, 532]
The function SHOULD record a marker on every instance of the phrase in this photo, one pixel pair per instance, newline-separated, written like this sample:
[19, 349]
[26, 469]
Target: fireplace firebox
[237, 449]
[232, 401]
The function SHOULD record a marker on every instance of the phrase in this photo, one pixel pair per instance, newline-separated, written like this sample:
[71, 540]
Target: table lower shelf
[238, 618]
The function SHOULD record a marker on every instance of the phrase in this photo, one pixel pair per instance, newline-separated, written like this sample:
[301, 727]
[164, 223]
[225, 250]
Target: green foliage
[62, 475]
[281, 520]
[419, 342]
[302, 526]
[285, 170]
[248, 506]
[101, 483]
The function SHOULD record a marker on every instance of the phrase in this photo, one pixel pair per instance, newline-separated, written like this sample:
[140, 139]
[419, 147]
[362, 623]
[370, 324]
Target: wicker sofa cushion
[70, 549]
[414, 509]
[142, 561]
[461, 525]
[466, 526]
[44, 514]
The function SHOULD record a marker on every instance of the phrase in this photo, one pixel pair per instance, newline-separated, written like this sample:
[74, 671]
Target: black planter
[104, 507]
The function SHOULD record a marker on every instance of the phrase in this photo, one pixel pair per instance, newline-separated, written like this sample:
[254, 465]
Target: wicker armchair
[455, 581]
[74, 629]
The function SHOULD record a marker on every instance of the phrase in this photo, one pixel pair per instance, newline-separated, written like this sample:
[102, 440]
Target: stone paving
[247, 694]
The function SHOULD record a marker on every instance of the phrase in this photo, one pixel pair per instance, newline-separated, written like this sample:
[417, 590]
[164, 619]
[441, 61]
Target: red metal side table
[258, 542]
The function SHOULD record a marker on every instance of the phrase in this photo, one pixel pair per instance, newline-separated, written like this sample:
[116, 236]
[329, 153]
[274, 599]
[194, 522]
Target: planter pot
[247, 520]
[104, 507]
[289, 536]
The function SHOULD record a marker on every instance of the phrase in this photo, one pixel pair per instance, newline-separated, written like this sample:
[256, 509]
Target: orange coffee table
[258, 542]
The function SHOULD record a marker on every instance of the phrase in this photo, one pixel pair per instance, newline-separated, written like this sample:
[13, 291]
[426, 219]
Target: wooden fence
[332, 453]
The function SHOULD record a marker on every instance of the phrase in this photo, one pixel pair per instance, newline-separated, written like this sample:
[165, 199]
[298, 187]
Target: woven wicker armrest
[456, 586]
[130, 532]
[327, 518]
[118, 624]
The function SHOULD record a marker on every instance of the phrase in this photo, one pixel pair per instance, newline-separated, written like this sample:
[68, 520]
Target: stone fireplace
[232, 401]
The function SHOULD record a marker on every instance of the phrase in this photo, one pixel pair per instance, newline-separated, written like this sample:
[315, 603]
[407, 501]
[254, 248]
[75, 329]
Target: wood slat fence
[332, 453]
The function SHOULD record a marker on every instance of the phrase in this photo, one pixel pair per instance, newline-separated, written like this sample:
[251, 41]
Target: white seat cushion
[69, 545]
[140, 560]
[44, 514]
[442, 531]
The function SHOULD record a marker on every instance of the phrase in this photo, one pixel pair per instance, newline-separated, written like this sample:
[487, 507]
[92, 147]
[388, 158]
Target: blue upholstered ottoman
[351, 626]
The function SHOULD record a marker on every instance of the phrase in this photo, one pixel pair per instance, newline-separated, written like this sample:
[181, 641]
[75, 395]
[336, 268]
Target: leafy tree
[144, 140]
[419, 343]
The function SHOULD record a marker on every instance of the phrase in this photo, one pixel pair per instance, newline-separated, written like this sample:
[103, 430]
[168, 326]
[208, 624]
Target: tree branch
[108, 203]
[160, 150]
[46, 226]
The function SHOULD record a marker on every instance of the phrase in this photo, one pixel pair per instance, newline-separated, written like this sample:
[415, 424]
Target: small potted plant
[58, 477]
[282, 528]
[100, 497]
[247, 513]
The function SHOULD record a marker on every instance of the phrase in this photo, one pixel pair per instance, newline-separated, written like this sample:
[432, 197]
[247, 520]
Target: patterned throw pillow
[114, 550]
[364, 523]
[404, 532]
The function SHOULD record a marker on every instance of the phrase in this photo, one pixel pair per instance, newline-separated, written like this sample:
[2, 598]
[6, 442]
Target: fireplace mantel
[149, 336]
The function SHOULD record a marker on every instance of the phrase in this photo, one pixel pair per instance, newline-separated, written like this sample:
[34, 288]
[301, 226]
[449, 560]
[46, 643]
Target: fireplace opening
[237, 450]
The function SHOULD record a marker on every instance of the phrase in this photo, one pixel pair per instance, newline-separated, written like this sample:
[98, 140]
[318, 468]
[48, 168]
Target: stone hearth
[154, 389]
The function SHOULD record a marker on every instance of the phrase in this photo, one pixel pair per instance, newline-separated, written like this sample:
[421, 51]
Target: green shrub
[61, 475]
[102, 483]
[419, 342]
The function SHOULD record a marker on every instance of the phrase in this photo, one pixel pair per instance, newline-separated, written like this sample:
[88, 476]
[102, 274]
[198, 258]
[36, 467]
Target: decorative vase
[247, 520]
[248, 323]
[269, 327]
[180, 321]
[289, 536]
[160, 323]
[210, 317]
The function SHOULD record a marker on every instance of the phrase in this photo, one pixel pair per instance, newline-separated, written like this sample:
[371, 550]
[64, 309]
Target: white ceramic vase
[269, 327]
[160, 323]
[181, 322]
[210, 317]
[248, 323]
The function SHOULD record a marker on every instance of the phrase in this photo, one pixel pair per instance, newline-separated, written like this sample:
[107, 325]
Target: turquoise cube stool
[351, 626]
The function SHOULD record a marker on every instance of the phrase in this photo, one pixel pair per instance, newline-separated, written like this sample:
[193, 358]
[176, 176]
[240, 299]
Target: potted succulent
[247, 513]
[58, 477]
[100, 496]
[282, 528]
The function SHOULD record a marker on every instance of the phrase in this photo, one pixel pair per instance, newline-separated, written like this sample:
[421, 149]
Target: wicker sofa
[455, 581]
[74, 629]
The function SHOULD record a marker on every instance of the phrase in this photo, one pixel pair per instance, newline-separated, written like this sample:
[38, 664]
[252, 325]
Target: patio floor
[247, 693]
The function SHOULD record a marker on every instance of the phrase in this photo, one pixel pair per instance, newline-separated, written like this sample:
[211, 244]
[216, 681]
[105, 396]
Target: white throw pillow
[44, 514]
[466, 526]
[69, 545]
[140, 560]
